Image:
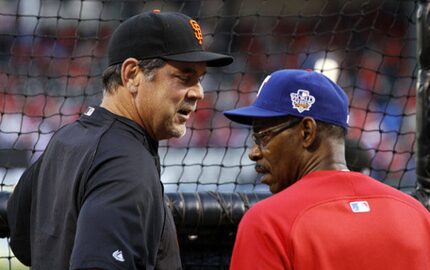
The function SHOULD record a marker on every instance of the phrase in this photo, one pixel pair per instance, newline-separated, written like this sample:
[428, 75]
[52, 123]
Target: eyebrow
[190, 70]
[258, 127]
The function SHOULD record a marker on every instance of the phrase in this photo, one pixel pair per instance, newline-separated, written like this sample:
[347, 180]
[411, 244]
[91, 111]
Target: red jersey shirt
[334, 220]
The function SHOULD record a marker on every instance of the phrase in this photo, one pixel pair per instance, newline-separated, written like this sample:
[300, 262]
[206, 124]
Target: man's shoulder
[122, 141]
[121, 145]
[367, 186]
[323, 187]
[273, 207]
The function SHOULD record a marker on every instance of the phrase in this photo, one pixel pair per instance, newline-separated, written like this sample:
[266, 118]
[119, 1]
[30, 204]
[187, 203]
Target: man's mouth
[260, 169]
[185, 113]
[186, 109]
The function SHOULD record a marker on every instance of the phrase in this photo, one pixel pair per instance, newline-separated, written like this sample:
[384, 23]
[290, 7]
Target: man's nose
[254, 153]
[196, 92]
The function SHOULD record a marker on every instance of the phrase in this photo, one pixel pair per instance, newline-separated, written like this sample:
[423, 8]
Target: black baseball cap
[165, 35]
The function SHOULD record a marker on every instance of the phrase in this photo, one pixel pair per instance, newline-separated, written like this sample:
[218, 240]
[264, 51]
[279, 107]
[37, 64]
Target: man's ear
[130, 74]
[309, 132]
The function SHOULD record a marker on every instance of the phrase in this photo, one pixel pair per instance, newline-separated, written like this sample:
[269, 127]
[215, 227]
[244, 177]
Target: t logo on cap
[197, 31]
[263, 83]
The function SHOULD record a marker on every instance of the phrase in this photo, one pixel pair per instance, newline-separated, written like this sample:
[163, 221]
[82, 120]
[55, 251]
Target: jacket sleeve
[121, 219]
[19, 212]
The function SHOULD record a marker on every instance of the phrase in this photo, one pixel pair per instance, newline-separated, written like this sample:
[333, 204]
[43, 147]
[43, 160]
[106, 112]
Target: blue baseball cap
[298, 93]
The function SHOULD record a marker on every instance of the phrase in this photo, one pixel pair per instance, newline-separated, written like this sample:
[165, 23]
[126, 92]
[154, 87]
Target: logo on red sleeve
[359, 207]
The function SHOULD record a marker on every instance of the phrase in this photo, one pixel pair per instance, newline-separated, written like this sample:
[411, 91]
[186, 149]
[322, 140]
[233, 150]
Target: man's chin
[172, 132]
[267, 180]
[274, 188]
[179, 131]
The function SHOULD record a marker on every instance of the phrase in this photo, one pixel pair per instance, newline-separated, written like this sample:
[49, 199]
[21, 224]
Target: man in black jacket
[94, 199]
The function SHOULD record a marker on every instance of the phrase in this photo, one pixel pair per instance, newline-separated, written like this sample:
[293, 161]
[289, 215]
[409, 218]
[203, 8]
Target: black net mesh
[52, 55]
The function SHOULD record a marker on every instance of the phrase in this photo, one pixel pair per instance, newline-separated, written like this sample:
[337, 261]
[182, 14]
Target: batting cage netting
[52, 56]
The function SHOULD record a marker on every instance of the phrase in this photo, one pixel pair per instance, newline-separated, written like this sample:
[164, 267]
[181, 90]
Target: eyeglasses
[262, 138]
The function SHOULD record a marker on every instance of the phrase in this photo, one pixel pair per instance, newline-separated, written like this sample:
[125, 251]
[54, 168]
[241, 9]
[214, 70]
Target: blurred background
[52, 55]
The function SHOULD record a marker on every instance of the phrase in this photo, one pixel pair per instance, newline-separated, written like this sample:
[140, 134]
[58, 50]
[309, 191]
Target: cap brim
[246, 115]
[211, 59]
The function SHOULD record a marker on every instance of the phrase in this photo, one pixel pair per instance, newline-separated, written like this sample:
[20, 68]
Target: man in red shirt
[322, 215]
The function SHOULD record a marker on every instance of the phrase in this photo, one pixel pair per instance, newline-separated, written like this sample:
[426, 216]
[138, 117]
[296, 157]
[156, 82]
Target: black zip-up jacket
[94, 200]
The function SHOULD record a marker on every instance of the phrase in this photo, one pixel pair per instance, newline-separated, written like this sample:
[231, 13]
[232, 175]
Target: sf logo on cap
[197, 31]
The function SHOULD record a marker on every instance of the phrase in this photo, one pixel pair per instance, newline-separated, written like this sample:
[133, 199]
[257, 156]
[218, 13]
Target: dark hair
[112, 75]
[331, 130]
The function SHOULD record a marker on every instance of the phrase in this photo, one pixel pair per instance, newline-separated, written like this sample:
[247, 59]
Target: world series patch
[302, 100]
